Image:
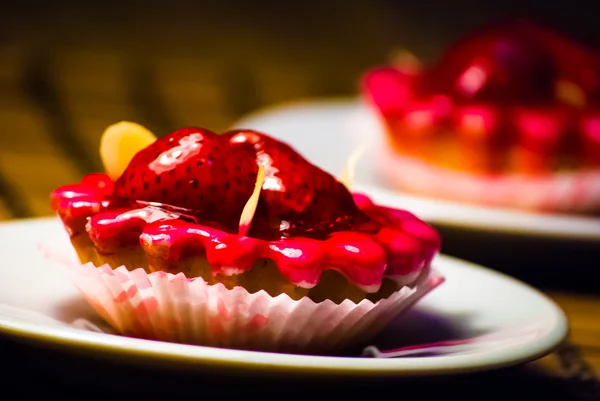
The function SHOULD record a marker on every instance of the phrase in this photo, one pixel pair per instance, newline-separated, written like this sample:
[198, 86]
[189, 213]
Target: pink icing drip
[395, 244]
[356, 255]
[75, 203]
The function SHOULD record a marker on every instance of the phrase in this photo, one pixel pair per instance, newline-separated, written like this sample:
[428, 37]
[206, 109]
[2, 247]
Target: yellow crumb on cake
[119, 143]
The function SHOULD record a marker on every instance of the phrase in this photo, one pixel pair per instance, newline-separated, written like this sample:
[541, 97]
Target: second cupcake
[508, 117]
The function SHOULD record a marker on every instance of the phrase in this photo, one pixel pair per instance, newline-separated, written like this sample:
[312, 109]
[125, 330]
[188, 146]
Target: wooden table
[67, 72]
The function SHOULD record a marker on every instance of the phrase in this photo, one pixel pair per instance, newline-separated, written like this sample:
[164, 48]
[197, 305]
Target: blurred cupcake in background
[507, 117]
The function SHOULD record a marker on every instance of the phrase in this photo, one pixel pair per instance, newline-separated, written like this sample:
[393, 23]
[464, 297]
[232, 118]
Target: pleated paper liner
[167, 307]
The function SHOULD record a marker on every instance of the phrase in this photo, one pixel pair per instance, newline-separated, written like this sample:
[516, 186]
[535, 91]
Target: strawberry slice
[297, 195]
[195, 169]
[213, 178]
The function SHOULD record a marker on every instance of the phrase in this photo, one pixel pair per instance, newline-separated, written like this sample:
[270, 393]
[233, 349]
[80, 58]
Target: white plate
[327, 131]
[506, 321]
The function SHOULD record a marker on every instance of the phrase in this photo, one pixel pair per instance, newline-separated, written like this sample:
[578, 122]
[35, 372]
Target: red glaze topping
[297, 197]
[213, 175]
[520, 92]
[183, 195]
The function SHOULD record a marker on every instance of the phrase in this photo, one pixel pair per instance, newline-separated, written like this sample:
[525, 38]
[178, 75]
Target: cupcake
[508, 117]
[236, 240]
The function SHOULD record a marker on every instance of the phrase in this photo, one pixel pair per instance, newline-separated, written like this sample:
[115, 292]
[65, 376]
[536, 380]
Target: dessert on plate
[509, 116]
[236, 240]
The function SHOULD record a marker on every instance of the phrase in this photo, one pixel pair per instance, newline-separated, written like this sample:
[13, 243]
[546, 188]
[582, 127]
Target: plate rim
[357, 105]
[201, 356]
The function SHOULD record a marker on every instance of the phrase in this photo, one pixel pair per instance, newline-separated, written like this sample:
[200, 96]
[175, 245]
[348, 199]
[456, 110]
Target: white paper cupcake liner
[167, 307]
